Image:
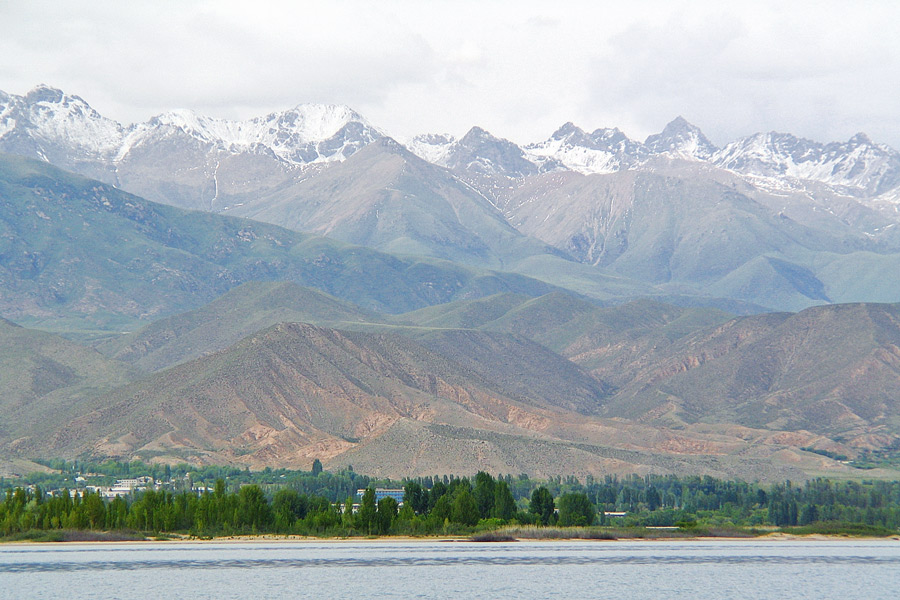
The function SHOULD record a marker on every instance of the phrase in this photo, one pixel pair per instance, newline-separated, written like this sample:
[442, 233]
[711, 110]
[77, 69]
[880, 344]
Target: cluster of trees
[456, 506]
[323, 503]
[669, 500]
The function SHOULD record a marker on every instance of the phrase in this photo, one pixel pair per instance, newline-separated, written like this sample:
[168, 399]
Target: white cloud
[823, 69]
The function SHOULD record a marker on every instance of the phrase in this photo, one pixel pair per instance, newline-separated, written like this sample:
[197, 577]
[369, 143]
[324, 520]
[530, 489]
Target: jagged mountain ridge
[859, 166]
[61, 128]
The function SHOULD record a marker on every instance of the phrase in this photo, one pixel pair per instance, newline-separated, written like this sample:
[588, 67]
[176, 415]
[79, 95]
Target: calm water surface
[628, 570]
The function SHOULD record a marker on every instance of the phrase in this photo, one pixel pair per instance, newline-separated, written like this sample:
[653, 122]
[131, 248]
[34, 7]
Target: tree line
[453, 507]
[448, 504]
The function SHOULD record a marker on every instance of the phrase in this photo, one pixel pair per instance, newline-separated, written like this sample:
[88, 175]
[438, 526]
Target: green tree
[288, 506]
[576, 509]
[347, 517]
[367, 511]
[809, 514]
[415, 497]
[464, 510]
[504, 504]
[316, 467]
[542, 505]
[94, 510]
[253, 510]
[441, 511]
[387, 512]
[484, 494]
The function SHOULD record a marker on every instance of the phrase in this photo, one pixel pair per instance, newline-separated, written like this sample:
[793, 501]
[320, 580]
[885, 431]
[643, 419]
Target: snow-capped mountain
[48, 120]
[772, 160]
[203, 153]
[479, 152]
[308, 133]
[858, 163]
[180, 157]
[603, 151]
[681, 139]
[476, 153]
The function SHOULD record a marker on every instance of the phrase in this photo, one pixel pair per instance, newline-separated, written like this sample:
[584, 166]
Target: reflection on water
[697, 570]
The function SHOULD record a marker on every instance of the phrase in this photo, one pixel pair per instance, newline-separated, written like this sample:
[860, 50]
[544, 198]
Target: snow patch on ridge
[577, 158]
[432, 147]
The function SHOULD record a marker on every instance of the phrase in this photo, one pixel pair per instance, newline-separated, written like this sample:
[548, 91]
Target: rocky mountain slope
[833, 370]
[387, 198]
[75, 253]
[291, 392]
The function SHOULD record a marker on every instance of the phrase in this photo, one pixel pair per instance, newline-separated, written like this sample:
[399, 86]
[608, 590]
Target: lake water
[700, 570]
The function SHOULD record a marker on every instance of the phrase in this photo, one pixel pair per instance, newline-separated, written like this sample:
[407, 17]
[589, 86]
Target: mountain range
[769, 222]
[301, 286]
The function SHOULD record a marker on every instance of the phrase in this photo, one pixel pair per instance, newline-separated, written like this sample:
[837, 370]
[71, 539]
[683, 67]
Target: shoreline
[298, 539]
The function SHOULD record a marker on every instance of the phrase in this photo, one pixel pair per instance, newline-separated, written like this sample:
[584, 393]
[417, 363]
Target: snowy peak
[7, 120]
[46, 117]
[476, 153]
[680, 139]
[861, 139]
[313, 122]
[482, 153]
[46, 120]
[569, 130]
[44, 93]
[432, 147]
[858, 163]
[602, 151]
[304, 134]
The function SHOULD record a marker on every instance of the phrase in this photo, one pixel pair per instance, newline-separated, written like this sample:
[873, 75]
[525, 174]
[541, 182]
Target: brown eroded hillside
[506, 383]
[834, 370]
[291, 392]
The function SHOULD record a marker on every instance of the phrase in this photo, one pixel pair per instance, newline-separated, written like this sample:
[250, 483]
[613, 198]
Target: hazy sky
[822, 70]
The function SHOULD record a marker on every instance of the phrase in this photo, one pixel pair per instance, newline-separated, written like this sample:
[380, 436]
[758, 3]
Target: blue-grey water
[699, 570]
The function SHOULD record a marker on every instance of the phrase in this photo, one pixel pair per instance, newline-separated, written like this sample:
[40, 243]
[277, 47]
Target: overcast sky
[822, 70]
